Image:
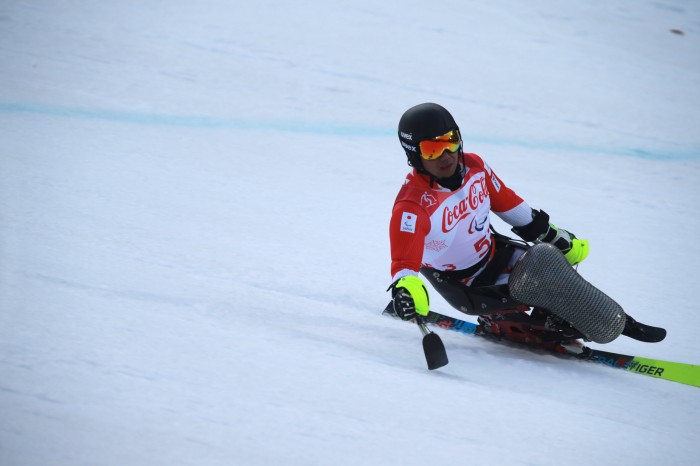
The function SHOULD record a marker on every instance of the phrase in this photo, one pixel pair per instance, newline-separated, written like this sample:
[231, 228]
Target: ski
[688, 374]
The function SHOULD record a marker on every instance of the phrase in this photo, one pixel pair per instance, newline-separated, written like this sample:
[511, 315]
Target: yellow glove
[541, 231]
[410, 298]
[578, 251]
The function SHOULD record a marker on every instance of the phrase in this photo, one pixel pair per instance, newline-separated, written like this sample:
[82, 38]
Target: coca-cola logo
[477, 193]
[452, 215]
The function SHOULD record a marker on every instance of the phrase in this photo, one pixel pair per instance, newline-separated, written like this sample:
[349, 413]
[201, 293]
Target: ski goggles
[431, 149]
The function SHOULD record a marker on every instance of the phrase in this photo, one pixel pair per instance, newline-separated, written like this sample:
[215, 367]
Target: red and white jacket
[449, 230]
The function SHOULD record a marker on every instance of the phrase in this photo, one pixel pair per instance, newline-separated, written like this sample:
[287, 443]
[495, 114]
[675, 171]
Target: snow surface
[194, 205]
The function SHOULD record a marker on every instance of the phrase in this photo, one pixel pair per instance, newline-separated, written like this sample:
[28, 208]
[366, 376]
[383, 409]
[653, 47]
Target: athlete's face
[443, 166]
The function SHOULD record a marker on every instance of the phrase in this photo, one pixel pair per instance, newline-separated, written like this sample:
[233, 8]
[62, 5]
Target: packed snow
[194, 208]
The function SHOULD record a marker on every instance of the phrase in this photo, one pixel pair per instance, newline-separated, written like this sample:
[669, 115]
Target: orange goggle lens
[432, 149]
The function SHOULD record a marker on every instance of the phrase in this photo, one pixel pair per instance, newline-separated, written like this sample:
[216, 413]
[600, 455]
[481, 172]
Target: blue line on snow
[155, 119]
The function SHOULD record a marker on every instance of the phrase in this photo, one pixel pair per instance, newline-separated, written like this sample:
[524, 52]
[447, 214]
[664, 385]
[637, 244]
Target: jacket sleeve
[408, 228]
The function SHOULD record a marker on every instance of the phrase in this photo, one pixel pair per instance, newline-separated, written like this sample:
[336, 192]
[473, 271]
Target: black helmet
[424, 121]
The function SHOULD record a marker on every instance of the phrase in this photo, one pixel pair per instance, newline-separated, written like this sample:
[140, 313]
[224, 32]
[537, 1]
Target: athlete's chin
[444, 172]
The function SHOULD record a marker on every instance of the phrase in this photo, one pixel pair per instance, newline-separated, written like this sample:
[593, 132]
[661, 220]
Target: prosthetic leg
[543, 278]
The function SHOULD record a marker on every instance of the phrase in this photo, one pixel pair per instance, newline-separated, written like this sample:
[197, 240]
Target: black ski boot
[643, 332]
[554, 322]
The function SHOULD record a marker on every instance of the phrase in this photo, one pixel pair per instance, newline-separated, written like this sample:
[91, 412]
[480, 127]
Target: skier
[440, 226]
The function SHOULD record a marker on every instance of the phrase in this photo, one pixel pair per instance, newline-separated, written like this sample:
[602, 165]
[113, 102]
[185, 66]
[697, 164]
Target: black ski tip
[435, 353]
[642, 332]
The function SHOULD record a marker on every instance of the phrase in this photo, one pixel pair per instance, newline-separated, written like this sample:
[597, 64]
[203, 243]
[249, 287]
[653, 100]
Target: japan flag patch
[408, 222]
